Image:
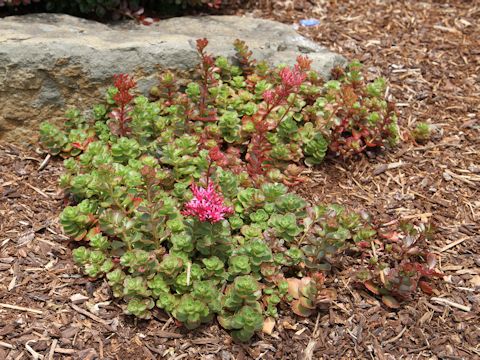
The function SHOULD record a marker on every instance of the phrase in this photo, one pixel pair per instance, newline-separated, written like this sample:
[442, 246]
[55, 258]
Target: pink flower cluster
[269, 96]
[207, 204]
[292, 78]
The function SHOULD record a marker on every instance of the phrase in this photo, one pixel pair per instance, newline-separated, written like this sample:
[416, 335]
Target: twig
[155, 350]
[418, 349]
[38, 190]
[429, 147]
[44, 162]
[443, 301]
[380, 169]
[205, 341]
[29, 158]
[6, 345]
[65, 351]
[21, 308]
[181, 356]
[52, 349]
[308, 352]
[454, 243]
[168, 322]
[90, 315]
[34, 354]
[469, 179]
[433, 200]
[168, 334]
[395, 338]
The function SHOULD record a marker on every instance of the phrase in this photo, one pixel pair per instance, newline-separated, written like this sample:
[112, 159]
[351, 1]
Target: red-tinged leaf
[205, 118]
[136, 201]
[77, 145]
[413, 251]
[363, 244]
[305, 286]
[94, 231]
[293, 287]
[81, 236]
[299, 310]
[307, 303]
[216, 155]
[92, 219]
[393, 236]
[431, 260]
[319, 278]
[426, 287]
[372, 287]
[88, 141]
[390, 301]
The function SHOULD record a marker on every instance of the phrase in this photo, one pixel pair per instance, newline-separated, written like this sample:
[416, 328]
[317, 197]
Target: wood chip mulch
[430, 53]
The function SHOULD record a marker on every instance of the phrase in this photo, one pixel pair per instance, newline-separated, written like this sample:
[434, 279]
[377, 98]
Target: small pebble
[474, 169]
[78, 298]
[447, 176]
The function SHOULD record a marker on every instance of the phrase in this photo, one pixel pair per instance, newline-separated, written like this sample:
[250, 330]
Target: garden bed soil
[429, 52]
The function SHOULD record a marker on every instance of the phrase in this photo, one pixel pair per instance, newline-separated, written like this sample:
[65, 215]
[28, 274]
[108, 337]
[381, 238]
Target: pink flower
[292, 77]
[207, 204]
[269, 96]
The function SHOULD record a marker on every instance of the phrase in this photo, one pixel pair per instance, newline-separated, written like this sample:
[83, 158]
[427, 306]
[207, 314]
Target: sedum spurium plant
[182, 202]
[401, 263]
[422, 132]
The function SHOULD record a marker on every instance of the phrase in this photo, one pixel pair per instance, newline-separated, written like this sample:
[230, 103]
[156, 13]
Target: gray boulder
[49, 62]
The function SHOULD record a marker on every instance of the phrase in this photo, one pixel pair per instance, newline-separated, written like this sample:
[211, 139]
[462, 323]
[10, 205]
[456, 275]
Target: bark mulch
[430, 53]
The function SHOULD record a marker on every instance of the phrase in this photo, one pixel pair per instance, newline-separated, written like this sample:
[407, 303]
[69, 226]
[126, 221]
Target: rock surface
[49, 62]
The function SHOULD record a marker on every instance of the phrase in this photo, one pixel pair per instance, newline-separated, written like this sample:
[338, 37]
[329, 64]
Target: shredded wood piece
[443, 301]
[454, 243]
[395, 338]
[384, 167]
[45, 162]
[6, 345]
[21, 308]
[52, 349]
[106, 323]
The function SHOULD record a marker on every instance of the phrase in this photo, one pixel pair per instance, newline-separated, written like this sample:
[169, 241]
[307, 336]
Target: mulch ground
[430, 52]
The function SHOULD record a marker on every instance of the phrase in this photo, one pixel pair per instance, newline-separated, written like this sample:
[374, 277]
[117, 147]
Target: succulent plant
[77, 220]
[307, 294]
[285, 226]
[52, 138]
[192, 312]
[403, 265]
[244, 322]
[422, 132]
[140, 307]
[185, 202]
